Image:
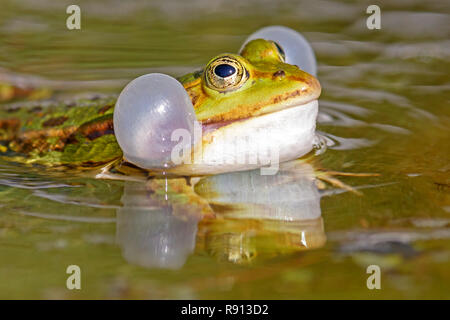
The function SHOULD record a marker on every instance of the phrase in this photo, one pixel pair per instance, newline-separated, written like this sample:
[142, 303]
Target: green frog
[254, 94]
[237, 94]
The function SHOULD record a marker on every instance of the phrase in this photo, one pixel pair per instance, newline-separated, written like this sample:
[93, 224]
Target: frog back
[72, 134]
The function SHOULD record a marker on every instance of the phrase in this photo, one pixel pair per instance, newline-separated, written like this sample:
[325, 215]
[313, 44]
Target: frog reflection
[236, 217]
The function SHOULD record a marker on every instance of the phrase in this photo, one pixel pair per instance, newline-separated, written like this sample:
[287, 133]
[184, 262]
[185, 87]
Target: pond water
[384, 109]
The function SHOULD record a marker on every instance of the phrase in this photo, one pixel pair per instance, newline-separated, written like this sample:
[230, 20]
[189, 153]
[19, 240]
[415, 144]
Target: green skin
[81, 135]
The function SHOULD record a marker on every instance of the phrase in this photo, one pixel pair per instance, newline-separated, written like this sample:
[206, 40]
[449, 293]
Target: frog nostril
[279, 74]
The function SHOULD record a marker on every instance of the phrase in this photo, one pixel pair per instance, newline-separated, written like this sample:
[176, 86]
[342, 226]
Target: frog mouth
[213, 126]
[247, 143]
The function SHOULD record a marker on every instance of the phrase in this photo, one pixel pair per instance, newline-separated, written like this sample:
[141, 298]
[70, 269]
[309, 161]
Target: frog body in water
[233, 95]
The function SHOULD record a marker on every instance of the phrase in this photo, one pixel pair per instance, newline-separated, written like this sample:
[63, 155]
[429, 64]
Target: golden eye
[225, 74]
[280, 51]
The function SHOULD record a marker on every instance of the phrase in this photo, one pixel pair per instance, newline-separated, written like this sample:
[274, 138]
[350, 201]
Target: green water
[384, 109]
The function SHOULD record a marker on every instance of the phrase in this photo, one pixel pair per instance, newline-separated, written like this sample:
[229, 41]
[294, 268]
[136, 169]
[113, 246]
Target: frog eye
[280, 51]
[225, 74]
[296, 48]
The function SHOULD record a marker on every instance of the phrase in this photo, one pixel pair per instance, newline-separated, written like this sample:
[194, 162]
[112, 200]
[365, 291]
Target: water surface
[384, 109]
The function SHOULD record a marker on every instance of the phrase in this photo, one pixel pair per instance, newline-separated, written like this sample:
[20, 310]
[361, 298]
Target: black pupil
[224, 70]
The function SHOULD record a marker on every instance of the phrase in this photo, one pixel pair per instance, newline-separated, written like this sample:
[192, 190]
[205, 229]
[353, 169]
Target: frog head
[249, 106]
[252, 98]
[255, 82]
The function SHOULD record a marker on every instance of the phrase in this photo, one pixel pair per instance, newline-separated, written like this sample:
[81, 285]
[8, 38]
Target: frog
[232, 93]
[228, 95]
